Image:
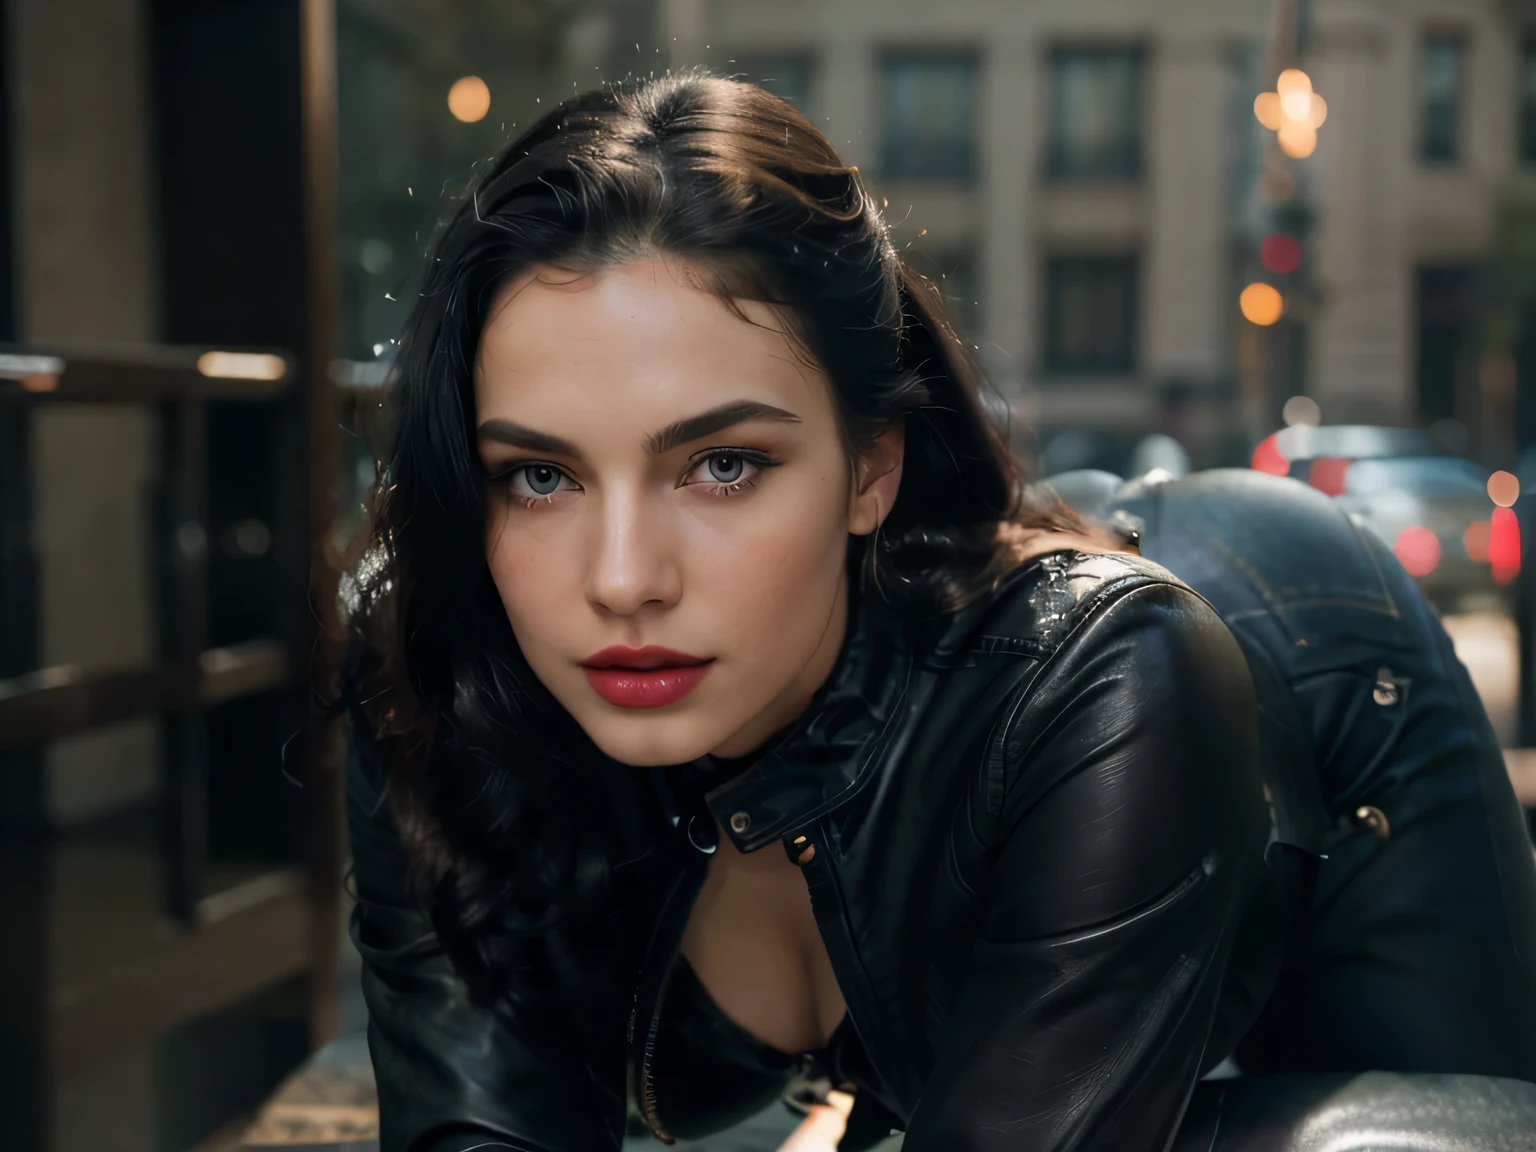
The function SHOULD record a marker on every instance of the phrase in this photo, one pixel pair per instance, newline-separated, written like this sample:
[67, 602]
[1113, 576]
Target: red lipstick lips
[649, 677]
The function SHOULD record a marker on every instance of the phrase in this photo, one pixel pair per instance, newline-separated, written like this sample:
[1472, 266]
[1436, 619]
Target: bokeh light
[1267, 457]
[469, 99]
[242, 365]
[1298, 141]
[1269, 111]
[1329, 474]
[1504, 546]
[1293, 112]
[1298, 101]
[1503, 489]
[1475, 541]
[1280, 253]
[1417, 550]
[1277, 185]
[1301, 410]
[1261, 304]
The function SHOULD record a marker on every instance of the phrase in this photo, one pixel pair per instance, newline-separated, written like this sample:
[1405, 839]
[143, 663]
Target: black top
[1041, 838]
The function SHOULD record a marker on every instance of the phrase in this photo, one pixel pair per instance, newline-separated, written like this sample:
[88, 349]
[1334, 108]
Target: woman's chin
[647, 738]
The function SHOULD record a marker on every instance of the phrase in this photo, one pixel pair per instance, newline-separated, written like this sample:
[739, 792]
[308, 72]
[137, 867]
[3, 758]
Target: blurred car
[1431, 507]
[1434, 510]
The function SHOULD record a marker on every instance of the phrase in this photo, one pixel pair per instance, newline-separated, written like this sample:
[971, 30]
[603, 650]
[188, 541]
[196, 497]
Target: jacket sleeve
[1132, 830]
[455, 1073]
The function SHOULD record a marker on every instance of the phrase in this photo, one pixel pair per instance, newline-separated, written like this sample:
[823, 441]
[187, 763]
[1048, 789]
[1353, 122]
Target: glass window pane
[952, 269]
[786, 74]
[929, 117]
[1441, 86]
[1096, 114]
[427, 90]
[1091, 314]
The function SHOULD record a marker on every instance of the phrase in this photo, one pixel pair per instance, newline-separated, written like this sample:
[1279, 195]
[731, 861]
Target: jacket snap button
[1385, 694]
[740, 822]
[1374, 819]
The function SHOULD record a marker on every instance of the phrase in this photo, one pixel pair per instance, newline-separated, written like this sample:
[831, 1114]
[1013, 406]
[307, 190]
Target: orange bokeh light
[1475, 541]
[1503, 489]
[469, 99]
[1261, 304]
[1293, 112]
[1298, 141]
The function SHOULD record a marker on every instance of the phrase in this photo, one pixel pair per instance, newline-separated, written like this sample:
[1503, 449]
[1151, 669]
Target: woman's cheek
[772, 573]
[530, 578]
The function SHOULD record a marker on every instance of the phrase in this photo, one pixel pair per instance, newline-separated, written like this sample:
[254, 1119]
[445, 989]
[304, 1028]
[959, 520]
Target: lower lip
[647, 687]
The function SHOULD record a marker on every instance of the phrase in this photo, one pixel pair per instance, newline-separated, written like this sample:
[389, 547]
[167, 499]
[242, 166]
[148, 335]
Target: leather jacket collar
[832, 750]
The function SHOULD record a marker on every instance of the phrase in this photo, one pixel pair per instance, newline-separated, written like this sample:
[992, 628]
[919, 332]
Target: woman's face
[669, 507]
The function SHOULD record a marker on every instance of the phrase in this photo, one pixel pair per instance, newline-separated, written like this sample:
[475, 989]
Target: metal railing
[228, 944]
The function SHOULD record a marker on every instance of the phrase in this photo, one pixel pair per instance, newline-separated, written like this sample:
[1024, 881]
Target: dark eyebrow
[672, 436]
[715, 420]
[516, 436]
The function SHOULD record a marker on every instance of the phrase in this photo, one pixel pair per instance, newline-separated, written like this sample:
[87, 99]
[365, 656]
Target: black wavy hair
[739, 187]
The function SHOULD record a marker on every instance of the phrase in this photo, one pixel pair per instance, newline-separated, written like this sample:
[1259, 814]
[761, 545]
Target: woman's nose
[632, 564]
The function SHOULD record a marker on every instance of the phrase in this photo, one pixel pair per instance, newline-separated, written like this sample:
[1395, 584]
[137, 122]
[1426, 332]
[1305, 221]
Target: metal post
[184, 608]
[322, 774]
[26, 1086]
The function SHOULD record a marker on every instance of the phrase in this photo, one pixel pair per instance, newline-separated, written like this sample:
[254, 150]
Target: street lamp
[1293, 112]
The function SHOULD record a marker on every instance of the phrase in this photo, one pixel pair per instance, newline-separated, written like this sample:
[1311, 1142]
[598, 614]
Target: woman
[733, 716]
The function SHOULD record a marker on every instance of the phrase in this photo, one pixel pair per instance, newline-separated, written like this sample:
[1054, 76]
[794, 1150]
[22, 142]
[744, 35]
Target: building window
[1528, 98]
[1091, 314]
[786, 74]
[930, 102]
[1441, 84]
[952, 270]
[1096, 102]
[1446, 313]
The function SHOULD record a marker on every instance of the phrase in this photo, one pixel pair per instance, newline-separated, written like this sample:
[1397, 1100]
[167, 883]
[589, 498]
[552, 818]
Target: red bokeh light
[1328, 474]
[1280, 253]
[1267, 458]
[1417, 550]
[1504, 546]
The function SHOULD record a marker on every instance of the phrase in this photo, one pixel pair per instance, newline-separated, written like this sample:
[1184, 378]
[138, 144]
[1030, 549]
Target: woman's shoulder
[1055, 596]
[1134, 698]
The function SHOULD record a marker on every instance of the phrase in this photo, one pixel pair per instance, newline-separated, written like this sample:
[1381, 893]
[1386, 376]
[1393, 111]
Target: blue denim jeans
[1415, 946]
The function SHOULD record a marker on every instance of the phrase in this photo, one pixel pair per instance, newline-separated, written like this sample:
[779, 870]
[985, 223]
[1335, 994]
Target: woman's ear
[877, 478]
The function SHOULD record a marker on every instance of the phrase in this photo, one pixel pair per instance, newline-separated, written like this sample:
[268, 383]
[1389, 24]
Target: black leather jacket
[1040, 831]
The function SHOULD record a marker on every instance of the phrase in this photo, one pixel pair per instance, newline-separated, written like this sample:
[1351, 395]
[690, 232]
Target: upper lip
[651, 656]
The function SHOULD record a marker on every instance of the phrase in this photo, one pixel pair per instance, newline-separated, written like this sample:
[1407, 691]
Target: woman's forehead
[637, 339]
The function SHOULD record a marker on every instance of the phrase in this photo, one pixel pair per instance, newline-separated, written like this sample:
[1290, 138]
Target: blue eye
[528, 482]
[724, 468]
[725, 471]
[541, 478]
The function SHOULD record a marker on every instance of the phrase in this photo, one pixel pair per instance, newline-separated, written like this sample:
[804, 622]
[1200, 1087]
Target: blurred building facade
[1067, 167]
[1086, 177]
[1090, 178]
